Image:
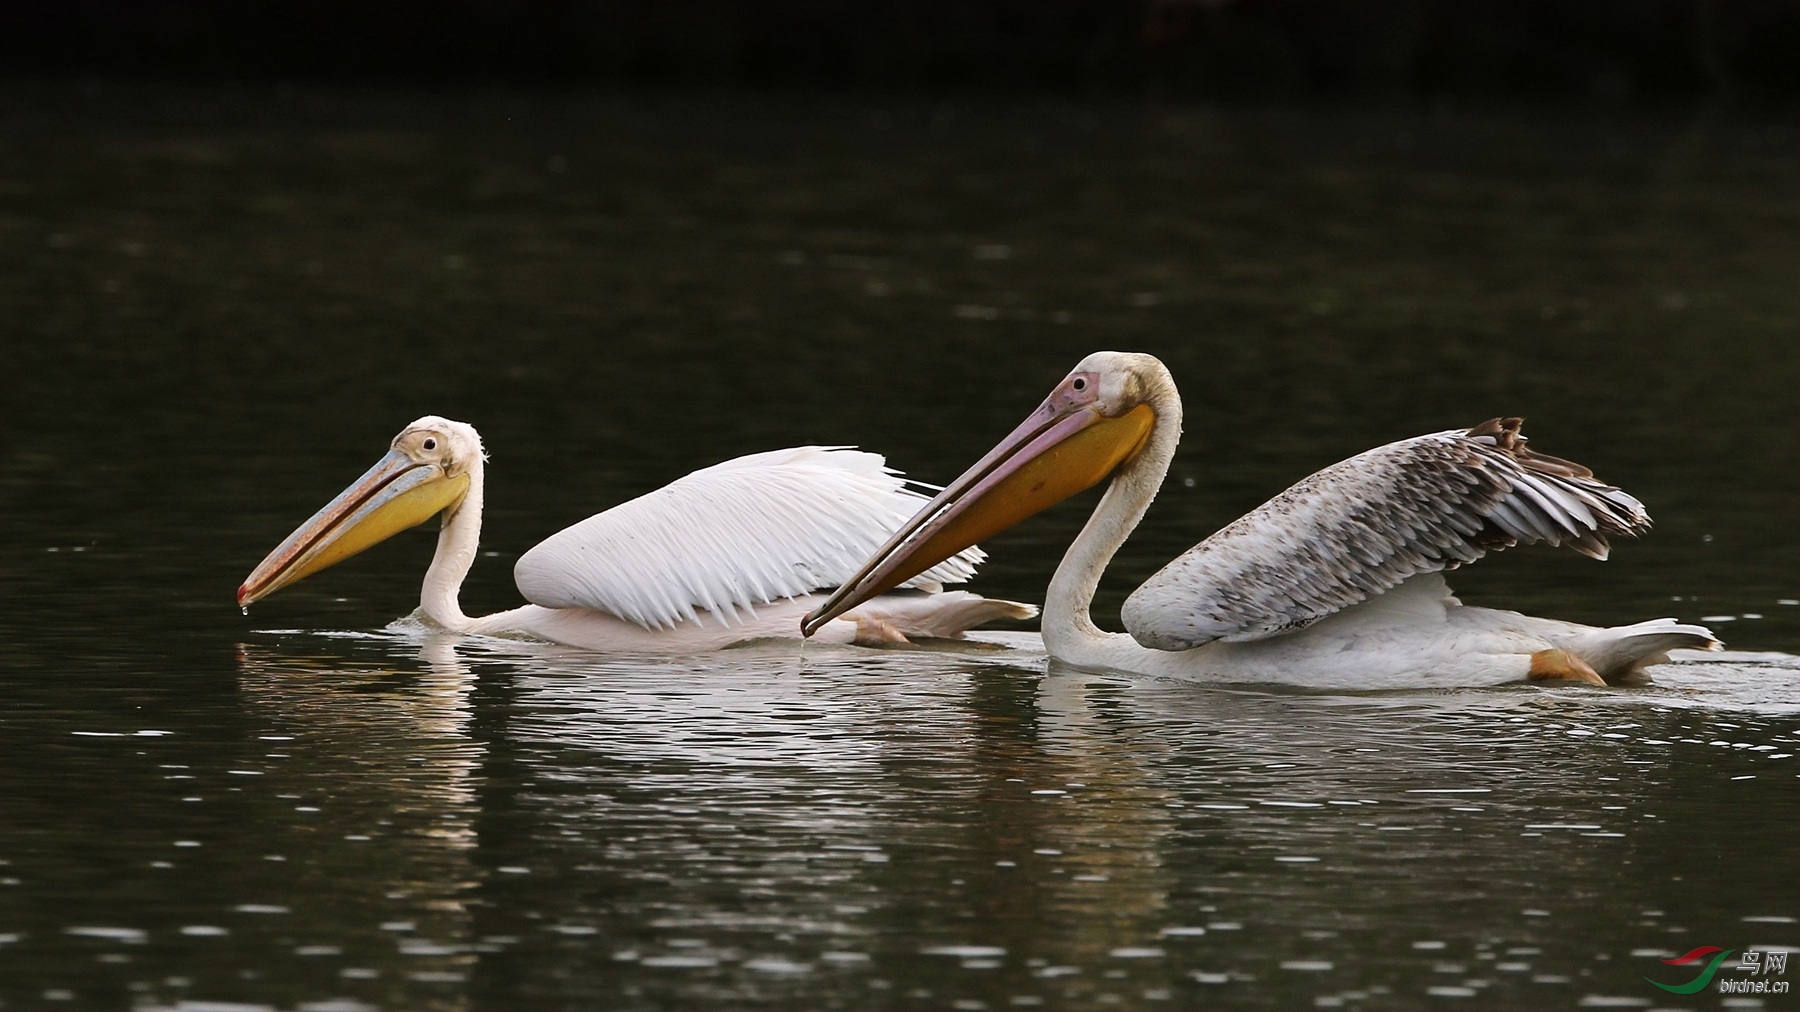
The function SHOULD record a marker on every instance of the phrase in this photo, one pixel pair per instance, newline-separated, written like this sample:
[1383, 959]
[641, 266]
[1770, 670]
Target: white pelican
[1331, 583]
[732, 552]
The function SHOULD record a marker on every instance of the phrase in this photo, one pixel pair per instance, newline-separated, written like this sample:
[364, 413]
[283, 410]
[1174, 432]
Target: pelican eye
[1079, 384]
[430, 444]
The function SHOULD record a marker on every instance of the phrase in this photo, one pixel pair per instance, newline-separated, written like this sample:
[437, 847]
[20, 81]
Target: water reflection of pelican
[706, 828]
[730, 553]
[382, 774]
[1295, 822]
[749, 811]
[1335, 582]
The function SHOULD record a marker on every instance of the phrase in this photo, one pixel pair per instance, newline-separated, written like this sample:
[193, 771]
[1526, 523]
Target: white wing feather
[1360, 527]
[728, 537]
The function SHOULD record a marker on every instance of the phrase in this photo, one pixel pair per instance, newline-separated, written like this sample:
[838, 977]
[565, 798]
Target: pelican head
[1097, 419]
[426, 472]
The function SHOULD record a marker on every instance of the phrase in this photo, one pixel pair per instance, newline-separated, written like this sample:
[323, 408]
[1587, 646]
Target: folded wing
[1360, 527]
[731, 536]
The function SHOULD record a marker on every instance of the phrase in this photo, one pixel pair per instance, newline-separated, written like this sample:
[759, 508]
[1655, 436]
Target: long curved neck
[1069, 630]
[456, 546]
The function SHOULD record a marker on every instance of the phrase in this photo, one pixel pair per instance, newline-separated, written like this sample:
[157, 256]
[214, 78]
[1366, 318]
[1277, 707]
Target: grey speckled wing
[1361, 526]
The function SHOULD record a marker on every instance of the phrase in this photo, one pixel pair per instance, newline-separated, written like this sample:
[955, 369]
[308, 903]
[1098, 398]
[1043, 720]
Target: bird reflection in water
[379, 820]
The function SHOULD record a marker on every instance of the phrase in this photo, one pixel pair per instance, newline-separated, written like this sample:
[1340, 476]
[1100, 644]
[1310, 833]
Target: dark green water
[218, 307]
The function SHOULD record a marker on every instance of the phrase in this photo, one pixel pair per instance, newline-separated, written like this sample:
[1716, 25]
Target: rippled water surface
[219, 306]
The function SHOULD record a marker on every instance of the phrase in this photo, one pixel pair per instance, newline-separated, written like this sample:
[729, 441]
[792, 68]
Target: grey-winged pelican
[1334, 582]
[732, 552]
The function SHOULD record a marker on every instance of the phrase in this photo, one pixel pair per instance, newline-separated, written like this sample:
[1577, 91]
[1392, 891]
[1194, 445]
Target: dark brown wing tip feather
[1503, 431]
[1509, 437]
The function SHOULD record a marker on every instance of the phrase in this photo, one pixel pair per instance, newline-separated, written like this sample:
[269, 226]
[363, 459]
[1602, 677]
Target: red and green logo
[1706, 975]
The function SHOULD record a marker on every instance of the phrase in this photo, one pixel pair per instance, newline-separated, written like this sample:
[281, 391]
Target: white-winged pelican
[732, 552]
[1334, 582]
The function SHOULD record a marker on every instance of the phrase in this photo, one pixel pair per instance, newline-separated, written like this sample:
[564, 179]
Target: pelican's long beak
[1055, 454]
[395, 494]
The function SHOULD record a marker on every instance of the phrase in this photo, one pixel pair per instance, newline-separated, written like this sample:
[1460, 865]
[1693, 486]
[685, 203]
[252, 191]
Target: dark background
[1610, 52]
